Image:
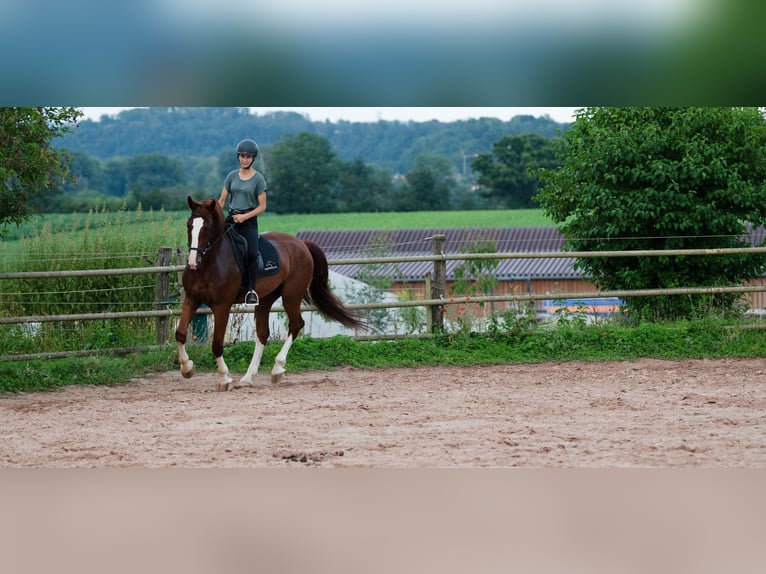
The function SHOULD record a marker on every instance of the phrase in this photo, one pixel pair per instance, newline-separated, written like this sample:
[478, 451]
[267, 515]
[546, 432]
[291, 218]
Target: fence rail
[408, 259]
[435, 285]
[526, 298]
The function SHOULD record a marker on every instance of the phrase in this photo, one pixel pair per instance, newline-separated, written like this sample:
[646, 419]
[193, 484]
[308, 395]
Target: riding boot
[251, 297]
[250, 231]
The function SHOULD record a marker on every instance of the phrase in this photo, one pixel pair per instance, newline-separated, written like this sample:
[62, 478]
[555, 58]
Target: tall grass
[99, 240]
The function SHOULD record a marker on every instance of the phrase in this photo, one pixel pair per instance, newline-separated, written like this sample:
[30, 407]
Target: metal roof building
[530, 275]
[407, 242]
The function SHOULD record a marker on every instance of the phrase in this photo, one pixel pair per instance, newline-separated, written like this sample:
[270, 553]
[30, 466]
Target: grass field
[61, 222]
[405, 220]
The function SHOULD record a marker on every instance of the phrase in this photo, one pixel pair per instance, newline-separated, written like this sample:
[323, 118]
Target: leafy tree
[117, 180]
[662, 178]
[509, 174]
[226, 161]
[88, 171]
[153, 170]
[429, 185]
[363, 187]
[201, 173]
[28, 162]
[304, 172]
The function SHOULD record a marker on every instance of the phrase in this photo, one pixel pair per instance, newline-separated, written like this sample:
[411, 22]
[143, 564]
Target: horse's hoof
[188, 374]
[276, 378]
[224, 386]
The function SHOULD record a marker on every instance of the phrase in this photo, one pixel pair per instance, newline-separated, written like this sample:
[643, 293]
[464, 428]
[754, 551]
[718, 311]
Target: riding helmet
[249, 147]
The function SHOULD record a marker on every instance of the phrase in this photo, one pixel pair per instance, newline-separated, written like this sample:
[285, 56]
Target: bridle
[209, 244]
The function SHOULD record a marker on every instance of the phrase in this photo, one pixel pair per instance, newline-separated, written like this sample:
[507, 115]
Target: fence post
[426, 293]
[162, 294]
[438, 286]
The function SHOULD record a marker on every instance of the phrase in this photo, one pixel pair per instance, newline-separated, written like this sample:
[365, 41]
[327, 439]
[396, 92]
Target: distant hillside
[206, 132]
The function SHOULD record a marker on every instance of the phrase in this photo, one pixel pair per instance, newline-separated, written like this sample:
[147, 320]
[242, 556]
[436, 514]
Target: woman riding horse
[247, 191]
[212, 277]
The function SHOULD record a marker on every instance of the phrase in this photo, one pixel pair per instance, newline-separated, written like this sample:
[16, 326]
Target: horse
[213, 277]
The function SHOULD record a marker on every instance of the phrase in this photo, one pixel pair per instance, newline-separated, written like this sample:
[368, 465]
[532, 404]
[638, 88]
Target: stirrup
[251, 298]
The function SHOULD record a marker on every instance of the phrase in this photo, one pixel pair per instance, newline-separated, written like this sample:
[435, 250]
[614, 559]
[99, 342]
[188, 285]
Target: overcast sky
[418, 114]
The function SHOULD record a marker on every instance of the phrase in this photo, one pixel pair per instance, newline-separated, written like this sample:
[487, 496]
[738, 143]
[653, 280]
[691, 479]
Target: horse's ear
[191, 202]
[209, 204]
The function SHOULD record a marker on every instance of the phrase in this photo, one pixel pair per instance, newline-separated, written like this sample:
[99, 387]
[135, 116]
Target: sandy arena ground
[646, 413]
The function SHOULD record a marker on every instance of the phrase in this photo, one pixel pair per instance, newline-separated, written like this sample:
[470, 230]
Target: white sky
[346, 13]
[418, 114]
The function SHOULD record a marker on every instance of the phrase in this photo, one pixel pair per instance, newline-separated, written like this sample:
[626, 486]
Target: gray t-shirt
[243, 194]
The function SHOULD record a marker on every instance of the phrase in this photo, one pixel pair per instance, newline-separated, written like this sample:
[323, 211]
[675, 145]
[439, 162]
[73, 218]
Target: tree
[662, 178]
[429, 184]
[364, 187]
[117, 181]
[88, 171]
[153, 170]
[28, 162]
[509, 174]
[303, 173]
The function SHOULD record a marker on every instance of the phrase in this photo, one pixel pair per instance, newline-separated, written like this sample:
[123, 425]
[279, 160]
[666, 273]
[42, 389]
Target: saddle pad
[268, 258]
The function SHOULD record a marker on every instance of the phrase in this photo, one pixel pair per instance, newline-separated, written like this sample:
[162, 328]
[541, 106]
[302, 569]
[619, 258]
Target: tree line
[206, 132]
[307, 175]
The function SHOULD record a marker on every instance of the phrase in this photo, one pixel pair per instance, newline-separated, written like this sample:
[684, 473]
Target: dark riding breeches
[249, 230]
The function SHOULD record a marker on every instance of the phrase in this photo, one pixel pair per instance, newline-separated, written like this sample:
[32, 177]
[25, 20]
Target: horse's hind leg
[294, 325]
[280, 360]
[261, 338]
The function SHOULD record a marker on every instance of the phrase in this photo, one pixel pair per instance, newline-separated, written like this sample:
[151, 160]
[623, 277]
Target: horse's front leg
[221, 314]
[188, 309]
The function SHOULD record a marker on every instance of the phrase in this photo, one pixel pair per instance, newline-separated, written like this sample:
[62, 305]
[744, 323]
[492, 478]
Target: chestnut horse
[212, 276]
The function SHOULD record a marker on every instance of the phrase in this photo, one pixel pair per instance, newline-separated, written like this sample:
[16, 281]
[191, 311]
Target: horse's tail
[320, 295]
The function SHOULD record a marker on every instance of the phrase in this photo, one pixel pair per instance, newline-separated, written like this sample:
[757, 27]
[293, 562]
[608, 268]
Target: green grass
[55, 223]
[600, 342]
[406, 220]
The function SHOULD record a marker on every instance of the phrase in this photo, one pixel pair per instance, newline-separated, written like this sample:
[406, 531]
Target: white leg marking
[223, 370]
[187, 365]
[281, 358]
[255, 363]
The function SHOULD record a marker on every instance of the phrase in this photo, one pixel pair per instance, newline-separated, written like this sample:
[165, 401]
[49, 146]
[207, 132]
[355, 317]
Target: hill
[206, 132]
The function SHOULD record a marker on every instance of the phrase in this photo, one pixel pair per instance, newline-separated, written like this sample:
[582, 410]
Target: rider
[246, 189]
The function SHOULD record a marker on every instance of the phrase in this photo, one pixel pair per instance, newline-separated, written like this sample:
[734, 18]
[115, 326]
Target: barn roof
[403, 242]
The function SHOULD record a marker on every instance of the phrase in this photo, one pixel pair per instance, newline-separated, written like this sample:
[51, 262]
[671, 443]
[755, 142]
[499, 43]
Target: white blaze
[194, 247]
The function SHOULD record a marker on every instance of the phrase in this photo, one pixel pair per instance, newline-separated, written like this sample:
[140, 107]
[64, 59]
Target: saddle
[268, 258]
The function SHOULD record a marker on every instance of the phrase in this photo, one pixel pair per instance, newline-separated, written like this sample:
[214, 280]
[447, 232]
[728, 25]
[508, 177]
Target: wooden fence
[435, 304]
